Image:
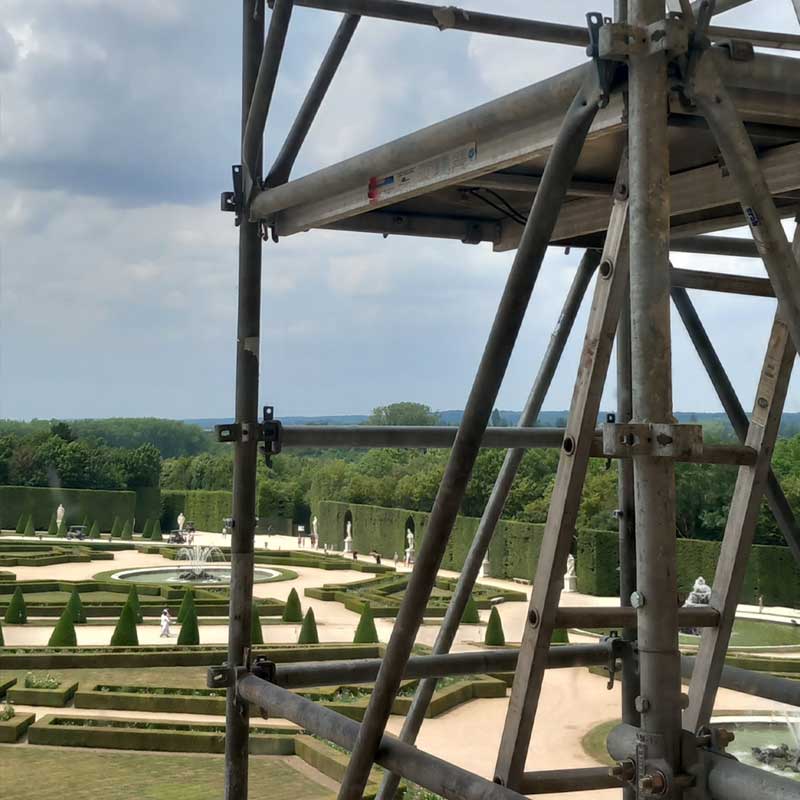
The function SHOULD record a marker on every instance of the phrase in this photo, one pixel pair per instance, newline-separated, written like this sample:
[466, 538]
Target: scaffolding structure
[673, 130]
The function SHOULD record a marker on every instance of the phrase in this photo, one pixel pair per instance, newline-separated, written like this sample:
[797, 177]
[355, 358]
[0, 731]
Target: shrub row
[57, 697]
[41, 502]
[41, 658]
[771, 571]
[12, 729]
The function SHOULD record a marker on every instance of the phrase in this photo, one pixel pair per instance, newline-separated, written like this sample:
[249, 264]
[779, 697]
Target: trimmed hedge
[256, 634]
[205, 508]
[57, 697]
[494, 630]
[39, 502]
[293, 612]
[75, 606]
[190, 632]
[366, 633]
[16, 613]
[771, 571]
[125, 634]
[12, 729]
[187, 604]
[308, 631]
[63, 634]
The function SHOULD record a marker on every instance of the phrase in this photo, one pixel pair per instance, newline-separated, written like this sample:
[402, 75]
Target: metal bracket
[597, 23]
[223, 676]
[272, 434]
[660, 440]
[618, 41]
[234, 201]
[616, 647]
[238, 432]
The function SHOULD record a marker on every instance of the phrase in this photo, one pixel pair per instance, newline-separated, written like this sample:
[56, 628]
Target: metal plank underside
[428, 173]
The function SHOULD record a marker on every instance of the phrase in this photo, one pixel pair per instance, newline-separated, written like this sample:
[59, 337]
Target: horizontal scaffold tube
[424, 436]
[364, 670]
[552, 781]
[422, 768]
[727, 778]
[758, 684]
[625, 617]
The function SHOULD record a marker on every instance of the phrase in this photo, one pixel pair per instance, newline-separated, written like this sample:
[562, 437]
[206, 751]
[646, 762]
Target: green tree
[190, 632]
[75, 606]
[256, 634]
[187, 604]
[125, 634]
[17, 612]
[292, 611]
[470, 615]
[148, 527]
[155, 531]
[308, 631]
[133, 602]
[63, 634]
[62, 431]
[366, 633]
[494, 630]
[403, 414]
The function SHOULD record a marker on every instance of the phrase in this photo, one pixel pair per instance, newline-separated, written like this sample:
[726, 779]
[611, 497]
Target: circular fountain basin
[206, 574]
[769, 742]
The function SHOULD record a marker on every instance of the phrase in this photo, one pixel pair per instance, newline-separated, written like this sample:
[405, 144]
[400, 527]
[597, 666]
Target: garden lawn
[81, 775]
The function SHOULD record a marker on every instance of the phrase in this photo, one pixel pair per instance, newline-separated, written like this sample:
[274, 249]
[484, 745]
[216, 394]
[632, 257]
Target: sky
[119, 122]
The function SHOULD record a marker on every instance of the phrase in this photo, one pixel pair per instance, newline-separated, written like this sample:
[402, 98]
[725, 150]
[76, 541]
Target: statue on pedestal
[181, 521]
[409, 559]
[570, 578]
[60, 511]
[348, 537]
[314, 533]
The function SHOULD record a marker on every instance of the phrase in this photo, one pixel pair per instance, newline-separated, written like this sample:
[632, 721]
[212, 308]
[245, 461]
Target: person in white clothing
[165, 623]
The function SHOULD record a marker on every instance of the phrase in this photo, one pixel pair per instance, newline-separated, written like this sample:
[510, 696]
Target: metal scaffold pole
[658, 751]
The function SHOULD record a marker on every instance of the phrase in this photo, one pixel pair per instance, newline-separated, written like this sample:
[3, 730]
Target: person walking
[166, 619]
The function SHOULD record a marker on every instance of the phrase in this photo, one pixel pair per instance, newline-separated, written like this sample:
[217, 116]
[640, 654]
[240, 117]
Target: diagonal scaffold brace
[570, 476]
[505, 329]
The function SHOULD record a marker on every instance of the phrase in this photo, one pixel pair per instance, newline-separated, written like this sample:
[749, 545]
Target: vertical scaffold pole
[237, 720]
[651, 368]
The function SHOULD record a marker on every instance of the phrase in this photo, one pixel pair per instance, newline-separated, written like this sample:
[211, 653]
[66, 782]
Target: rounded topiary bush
[190, 632]
[293, 611]
[125, 634]
[470, 615]
[187, 604]
[30, 530]
[63, 634]
[494, 630]
[256, 634]
[17, 612]
[308, 631]
[366, 633]
[75, 606]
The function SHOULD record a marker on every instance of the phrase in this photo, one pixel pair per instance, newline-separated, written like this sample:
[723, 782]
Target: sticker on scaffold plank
[430, 171]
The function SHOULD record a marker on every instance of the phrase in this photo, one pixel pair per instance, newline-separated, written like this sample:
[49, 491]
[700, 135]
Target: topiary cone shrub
[186, 604]
[125, 634]
[366, 633]
[62, 528]
[63, 634]
[148, 526]
[256, 634]
[2, 641]
[308, 632]
[470, 615]
[127, 530]
[155, 531]
[133, 602]
[560, 636]
[75, 606]
[494, 630]
[16, 613]
[190, 632]
[21, 522]
[29, 529]
[116, 528]
[94, 533]
[293, 611]
[52, 528]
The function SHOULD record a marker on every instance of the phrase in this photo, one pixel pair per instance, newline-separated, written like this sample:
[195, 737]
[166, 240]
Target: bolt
[642, 704]
[637, 599]
[533, 617]
[655, 783]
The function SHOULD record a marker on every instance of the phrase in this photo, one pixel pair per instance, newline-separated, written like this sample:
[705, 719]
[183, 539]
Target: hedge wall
[148, 505]
[206, 509]
[771, 571]
[513, 552]
[41, 502]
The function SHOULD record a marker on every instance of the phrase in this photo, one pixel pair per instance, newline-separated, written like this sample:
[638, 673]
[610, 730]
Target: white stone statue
[60, 511]
[348, 537]
[314, 529]
[181, 521]
[570, 578]
[700, 594]
[409, 539]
